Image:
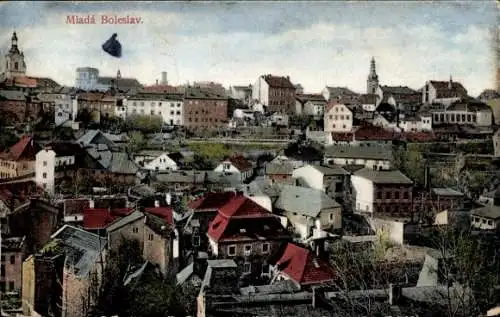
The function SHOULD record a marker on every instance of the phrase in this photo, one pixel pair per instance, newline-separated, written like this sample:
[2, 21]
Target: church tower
[372, 82]
[14, 61]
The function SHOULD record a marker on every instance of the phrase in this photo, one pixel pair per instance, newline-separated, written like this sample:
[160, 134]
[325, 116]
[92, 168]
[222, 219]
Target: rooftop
[304, 201]
[384, 177]
[489, 212]
[279, 82]
[374, 152]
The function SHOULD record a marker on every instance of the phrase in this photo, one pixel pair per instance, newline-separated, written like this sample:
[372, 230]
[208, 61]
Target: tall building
[372, 82]
[14, 61]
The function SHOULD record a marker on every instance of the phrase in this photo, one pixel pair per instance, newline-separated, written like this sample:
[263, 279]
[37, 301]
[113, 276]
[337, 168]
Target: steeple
[450, 84]
[14, 48]
[372, 82]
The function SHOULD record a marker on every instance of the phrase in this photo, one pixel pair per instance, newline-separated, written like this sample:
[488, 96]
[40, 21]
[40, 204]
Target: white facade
[312, 176]
[370, 163]
[484, 223]
[338, 118]
[45, 165]
[228, 168]
[65, 110]
[260, 91]
[162, 163]
[171, 110]
[87, 78]
[420, 124]
[370, 107]
[363, 190]
[481, 118]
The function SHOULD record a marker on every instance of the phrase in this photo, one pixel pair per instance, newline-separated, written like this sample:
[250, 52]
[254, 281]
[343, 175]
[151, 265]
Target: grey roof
[122, 137]
[81, 248]
[90, 135]
[305, 201]
[330, 170]
[215, 264]
[13, 95]
[122, 82]
[447, 192]
[398, 90]
[122, 164]
[136, 215]
[184, 275]
[340, 91]
[286, 286]
[284, 168]
[188, 177]
[201, 93]
[374, 152]
[102, 154]
[384, 177]
[137, 273]
[490, 212]
[263, 186]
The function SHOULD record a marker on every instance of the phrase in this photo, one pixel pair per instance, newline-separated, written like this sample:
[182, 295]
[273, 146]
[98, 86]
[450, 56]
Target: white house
[236, 165]
[47, 160]
[377, 157]
[161, 163]
[465, 112]
[310, 105]
[65, 110]
[338, 118]
[418, 123]
[486, 218]
[167, 105]
[331, 180]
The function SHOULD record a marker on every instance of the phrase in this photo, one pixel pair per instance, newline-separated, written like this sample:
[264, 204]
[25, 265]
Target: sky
[316, 43]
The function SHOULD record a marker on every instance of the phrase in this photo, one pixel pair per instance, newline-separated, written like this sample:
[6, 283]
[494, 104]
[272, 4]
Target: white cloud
[325, 53]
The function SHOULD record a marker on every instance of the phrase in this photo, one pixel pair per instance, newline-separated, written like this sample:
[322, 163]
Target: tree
[144, 123]
[84, 116]
[410, 162]
[137, 142]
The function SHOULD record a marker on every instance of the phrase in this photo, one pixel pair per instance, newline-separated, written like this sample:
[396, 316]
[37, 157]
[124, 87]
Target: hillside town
[120, 198]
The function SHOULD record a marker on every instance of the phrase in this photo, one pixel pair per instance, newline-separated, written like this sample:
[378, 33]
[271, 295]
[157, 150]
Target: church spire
[14, 48]
[372, 82]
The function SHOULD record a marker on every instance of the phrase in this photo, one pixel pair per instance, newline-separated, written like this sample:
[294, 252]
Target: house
[243, 93]
[65, 110]
[365, 135]
[87, 78]
[443, 92]
[310, 105]
[338, 118]
[236, 165]
[154, 230]
[93, 138]
[12, 263]
[275, 93]
[398, 96]
[302, 267]
[204, 108]
[280, 173]
[333, 180]
[47, 160]
[162, 162]
[19, 159]
[382, 192]
[466, 111]
[310, 211]
[66, 270]
[368, 102]
[98, 219]
[298, 155]
[168, 106]
[446, 199]
[486, 218]
[340, 95]
[374, 157]
[13, 106]
[74, 208]
[248, 233]
[496, 143]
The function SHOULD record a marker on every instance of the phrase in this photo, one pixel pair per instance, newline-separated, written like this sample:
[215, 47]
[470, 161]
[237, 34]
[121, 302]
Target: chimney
[394, 294]
[168, 198]
[164, 78]
[157, 82]
[450, 83]
[157, 204]
[91, 204]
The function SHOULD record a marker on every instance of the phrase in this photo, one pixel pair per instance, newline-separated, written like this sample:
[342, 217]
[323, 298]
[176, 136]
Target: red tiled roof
[342, 136]
[370, 132]
[443, 89]
[243, 207]
[100, 218]
[24, 149]
[211, 201]
[241, 163]
[163, 212]
[278, 82]
[300, 265]
[22, 81]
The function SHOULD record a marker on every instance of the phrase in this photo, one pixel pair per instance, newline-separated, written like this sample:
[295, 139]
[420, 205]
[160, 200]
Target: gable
[163, 159]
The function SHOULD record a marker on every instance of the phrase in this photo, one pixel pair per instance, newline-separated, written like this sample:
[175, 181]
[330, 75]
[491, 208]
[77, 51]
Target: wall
[10, 169]
[228, 167]
[157, 250]
[45, 170]
[301, 224]
[161, 163]
[393, 230]
[28, 289]
[363, 192]
[13, 271]
[374, 164]
[335, 223]
[75, 295]
[338, 119]
[172, 111]
[205, 113]
[484, 223]
[312, 177]
[115, 238]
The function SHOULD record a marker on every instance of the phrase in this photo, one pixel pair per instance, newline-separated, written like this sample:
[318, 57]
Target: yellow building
[19, 160]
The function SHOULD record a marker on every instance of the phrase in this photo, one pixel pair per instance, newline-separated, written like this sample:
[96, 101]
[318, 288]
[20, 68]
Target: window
[265, 247]
[2, 286]
[12, 259]
[2, 270]
[135, 230]
[11, 286]
[196, 241]
[490, 222]
[405, 195]
[396, 195]
[387, 195]
[226, 166]
[231, 250]
[44, 175]
[44, 163]
[265, 269]
[142, 103]
[248, 249]
[332, 217]
[347, 117]
[178, 105]
[150, 238]
[331, 117]
[247, 268]
[152, 112]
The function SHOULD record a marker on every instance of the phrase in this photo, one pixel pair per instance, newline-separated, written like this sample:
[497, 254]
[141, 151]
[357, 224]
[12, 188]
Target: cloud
[233, 45]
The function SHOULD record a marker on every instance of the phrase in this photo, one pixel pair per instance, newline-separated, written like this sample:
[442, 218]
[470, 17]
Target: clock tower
[14, 61]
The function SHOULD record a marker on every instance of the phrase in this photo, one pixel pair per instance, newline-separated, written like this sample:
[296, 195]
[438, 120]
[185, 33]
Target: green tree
[84, 116]
[410, 162]
[137, 142]
[144, 123]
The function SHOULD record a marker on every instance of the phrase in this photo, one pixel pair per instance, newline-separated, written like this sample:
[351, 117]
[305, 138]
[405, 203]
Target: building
[15, 65]
[310, 105]
[280, 172]
[19, 160]
[162, 163]
[238, 166]
[372, 81]
[310, 211]
[87, 78]
[382, 192]
[443, 92]
[302, 267]
[47, 161]
[398, 96]
[168, 106]
[12, 263]
[247, 233]
[242, 93]
[374, 157]
[65, 110]
[332, 180]
[13, 106]
[466, 111]
[275, 93]
[340, 95]
[338, 118]
[204, 109]
[486, 218]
